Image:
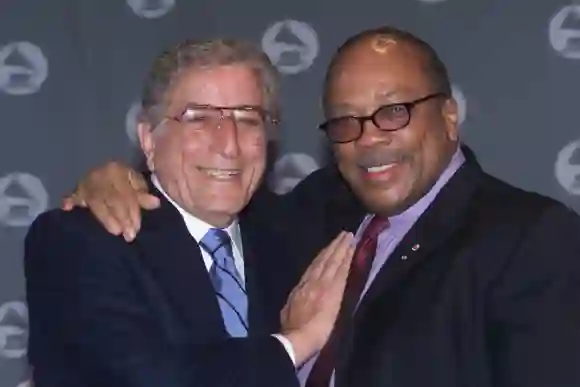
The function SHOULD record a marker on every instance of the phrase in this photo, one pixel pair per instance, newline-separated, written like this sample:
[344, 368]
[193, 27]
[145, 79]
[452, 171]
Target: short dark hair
[434, 66]
[202, 54]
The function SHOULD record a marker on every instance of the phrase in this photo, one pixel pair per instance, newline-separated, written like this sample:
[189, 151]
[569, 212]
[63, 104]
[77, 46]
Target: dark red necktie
[359, 272]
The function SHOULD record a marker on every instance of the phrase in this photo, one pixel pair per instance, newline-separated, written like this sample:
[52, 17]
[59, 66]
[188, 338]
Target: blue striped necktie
[228, 285]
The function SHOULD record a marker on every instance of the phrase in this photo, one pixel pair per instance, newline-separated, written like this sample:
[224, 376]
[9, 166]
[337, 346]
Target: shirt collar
[412, 213]
[197, 227]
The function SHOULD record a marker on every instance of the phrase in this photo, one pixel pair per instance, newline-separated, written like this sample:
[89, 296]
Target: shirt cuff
[288, 346]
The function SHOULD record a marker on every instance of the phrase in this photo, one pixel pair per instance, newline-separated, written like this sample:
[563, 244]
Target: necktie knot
[215, 240]
[367, 244]
[375, 227]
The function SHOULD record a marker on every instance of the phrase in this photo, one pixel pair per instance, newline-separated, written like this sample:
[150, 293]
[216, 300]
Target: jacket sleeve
[534, 311]
[86, 309]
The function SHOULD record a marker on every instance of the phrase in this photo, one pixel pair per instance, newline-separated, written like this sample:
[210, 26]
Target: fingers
[313, 306]
[321, 277]
[123, 203]
[108, 192]
[66, 204]
[337, 280]
[338, 259]
[115, 194]
[317, 265]
[148, 201]
[126, 200]
[102, 212]
[330, 257]
[137, 180]
[343, 269]
[70, 201]
[142, 199]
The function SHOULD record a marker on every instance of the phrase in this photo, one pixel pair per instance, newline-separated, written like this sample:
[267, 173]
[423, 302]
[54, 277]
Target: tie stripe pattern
[228, 285]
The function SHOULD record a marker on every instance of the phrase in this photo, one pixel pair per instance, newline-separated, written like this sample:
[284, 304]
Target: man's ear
[147, 143]
[450, 113]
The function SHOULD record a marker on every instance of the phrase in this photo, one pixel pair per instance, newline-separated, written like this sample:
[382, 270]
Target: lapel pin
[415, 247]
[404, 257]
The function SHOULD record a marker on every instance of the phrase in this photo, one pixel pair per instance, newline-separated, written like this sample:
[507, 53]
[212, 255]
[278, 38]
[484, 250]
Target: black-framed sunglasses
[389, 118]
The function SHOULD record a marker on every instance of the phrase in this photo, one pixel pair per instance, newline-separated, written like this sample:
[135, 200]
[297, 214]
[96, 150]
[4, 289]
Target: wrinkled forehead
[231, 85]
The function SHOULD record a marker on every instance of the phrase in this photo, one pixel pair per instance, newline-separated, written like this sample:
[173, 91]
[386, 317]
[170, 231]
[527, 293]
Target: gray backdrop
[71, 70]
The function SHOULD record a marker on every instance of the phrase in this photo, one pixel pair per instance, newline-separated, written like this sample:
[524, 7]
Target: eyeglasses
[202, 117]
[387, 117]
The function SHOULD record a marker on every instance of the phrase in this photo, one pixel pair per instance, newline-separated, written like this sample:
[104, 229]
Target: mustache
[376, 157]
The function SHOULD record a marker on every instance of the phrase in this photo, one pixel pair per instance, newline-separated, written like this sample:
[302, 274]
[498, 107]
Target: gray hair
[203, 54]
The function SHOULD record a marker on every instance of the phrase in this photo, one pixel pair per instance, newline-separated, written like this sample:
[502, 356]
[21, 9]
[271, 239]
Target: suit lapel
[256, 314]
[175, 260]
[437, 223]
[343, 206]
[441, 220]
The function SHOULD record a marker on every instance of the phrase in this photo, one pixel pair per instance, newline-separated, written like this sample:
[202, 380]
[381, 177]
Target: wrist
[304, 344]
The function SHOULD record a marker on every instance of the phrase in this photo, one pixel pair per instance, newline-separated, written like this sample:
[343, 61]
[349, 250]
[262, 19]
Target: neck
[217, 220]
[417, 196]
[213, 218]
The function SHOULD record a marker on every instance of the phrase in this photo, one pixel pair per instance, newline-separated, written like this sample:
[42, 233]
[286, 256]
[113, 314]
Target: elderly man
[466, 280]
[188, 302]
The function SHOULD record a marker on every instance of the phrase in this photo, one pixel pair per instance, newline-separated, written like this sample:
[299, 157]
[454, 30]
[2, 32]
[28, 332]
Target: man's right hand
[312, 308]
[115, 194]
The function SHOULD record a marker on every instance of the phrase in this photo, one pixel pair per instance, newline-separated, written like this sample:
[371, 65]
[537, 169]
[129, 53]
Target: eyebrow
[194, 105]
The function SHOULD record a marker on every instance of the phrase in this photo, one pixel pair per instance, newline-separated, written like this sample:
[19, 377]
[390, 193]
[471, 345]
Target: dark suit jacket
[490, 298]
[107, 313]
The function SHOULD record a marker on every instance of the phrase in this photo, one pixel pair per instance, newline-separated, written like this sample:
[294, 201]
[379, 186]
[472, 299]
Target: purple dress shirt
[390, 237]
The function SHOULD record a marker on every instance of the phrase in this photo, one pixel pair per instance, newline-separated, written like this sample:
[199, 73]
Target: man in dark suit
[184, 304]
[459, 279]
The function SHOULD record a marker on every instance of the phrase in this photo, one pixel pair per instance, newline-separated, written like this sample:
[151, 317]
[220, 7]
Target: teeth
[221, 173]
[379, 168]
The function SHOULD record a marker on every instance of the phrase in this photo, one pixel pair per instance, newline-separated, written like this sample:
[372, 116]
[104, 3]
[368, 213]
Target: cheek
[414, 144]
[254, 150]
[428, 161]
[176, 155]
[193, 148]
[345, 156]
[253, 146]
[426, 153]
[343, 153]
[167, 152]
[193, 140]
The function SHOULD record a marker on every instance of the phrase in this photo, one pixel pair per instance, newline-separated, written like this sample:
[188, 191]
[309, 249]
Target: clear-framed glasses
[204, 117]
[390, 117]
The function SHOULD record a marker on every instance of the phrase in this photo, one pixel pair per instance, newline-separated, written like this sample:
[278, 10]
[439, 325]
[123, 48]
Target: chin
[385, 202]
[232, 207]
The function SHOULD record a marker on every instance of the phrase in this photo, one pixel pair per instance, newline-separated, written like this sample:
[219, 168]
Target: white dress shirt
[197, 228]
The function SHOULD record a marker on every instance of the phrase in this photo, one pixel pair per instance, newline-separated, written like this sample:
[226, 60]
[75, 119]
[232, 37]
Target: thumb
[148, 201]
[137, 180]
[70, 201]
